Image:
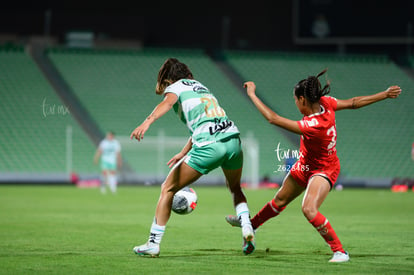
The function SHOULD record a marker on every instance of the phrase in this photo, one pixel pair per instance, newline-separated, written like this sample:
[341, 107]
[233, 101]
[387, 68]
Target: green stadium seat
[32, 142]
[117, 88]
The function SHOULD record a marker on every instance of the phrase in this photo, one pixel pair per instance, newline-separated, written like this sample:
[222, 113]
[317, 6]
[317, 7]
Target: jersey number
[216, 111]
[331, 131]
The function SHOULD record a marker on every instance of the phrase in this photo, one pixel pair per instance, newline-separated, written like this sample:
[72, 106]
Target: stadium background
[80, 73]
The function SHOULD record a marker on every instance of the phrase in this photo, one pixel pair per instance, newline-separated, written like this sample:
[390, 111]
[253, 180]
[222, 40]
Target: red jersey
[318, 139]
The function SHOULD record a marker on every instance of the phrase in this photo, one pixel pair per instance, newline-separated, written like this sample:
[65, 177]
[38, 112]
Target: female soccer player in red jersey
[318, 166]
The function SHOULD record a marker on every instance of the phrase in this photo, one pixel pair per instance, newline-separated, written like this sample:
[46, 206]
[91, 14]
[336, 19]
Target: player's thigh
[232, 164]
[316, 193]
[112, 171]
[179, 177]
[288, 191]
[233, 158]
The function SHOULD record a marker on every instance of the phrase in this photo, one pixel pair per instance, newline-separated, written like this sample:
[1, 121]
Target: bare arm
[268, 113]
[169, 100]
[119, 159]
[362, 101]
[180, 155]
[97, 155]
[412, 153]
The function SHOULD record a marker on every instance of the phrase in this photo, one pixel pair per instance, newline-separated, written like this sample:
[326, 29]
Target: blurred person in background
[320, 26]
[109, 154]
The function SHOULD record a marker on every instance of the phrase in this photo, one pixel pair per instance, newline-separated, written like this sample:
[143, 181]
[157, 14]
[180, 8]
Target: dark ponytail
[171, 71]
[311, 88]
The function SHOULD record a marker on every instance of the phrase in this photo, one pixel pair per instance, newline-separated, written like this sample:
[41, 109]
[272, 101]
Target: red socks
[325, 229]
[320, 223]
[268, 211]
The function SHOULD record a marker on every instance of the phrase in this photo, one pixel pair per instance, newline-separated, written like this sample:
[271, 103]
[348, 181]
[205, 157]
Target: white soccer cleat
[150, 248]
[247, 231]
[233, 220]
[339, 257]
[248, 239]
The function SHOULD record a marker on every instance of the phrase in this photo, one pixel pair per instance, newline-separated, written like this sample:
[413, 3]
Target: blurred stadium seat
[117, 89]
[34, 120]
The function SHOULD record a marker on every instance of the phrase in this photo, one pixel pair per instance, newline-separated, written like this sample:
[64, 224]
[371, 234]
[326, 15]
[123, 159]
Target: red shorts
[303, 172]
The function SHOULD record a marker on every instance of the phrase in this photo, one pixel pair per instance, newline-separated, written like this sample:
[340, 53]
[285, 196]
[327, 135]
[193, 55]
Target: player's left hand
[175, 159]
[393, 92]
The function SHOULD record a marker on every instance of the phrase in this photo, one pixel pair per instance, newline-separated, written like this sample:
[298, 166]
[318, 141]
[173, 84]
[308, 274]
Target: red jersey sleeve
[331, 101]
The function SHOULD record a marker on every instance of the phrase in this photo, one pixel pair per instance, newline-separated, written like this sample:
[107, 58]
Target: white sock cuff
[157, 232]
[155, 228]
[242, 208]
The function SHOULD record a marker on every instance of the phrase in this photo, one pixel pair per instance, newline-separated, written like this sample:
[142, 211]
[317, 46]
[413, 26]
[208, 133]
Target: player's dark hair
[311, 88]
[171, 71]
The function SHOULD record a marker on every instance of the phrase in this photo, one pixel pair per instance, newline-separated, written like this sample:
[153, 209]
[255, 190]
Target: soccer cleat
[339, 257]
[248, 246]
[233, 220]
[150, 248]
[248, 239]
[248, 234]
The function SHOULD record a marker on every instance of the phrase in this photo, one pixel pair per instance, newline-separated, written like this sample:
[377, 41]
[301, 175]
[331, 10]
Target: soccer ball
[184, 201]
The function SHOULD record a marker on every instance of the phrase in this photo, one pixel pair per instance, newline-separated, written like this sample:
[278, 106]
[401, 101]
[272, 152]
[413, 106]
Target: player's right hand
[138, 133]
[250, 87]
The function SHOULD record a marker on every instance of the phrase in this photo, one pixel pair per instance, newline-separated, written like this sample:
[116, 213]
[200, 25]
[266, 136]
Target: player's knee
[169, 189]
[280, 201]
[309, 211]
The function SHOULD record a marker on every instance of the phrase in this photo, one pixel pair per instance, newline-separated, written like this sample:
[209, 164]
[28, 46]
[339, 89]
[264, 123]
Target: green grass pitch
[66, 230]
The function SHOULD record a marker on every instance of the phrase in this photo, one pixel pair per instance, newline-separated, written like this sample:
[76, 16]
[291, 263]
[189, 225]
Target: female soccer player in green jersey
[214, 142]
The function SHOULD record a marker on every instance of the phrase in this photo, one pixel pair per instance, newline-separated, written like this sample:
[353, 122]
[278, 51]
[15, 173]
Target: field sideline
[66, 230]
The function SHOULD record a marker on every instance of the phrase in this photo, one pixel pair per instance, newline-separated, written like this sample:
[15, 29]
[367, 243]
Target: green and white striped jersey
[200, 111]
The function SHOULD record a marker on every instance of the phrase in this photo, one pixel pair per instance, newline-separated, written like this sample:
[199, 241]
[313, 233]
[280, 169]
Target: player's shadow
[258, 253]
[381, 255]
[272, 255]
